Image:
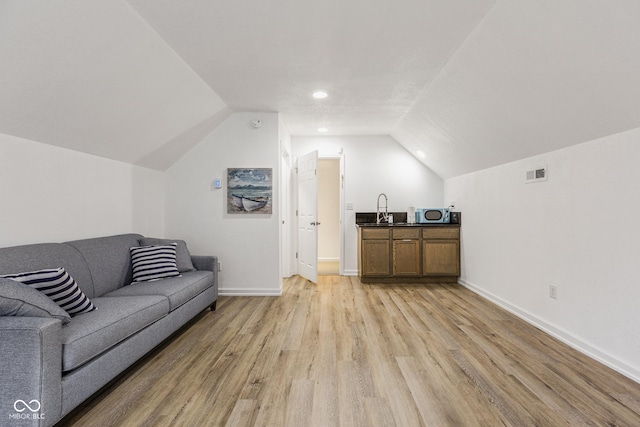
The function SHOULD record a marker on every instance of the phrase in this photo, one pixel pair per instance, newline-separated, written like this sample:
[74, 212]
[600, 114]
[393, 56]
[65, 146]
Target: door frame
[286, 200]
[342, 205]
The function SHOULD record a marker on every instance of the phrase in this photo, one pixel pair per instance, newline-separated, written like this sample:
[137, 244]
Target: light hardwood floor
[341, 353]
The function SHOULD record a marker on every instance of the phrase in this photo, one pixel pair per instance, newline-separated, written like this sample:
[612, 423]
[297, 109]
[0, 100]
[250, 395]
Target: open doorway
[329, 216]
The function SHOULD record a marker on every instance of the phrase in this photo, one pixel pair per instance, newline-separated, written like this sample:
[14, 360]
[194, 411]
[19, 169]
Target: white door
[308, 216]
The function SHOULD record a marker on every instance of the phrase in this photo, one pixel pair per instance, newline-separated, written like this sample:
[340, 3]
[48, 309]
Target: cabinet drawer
[375, 233]
[440, 233]
[406, 233]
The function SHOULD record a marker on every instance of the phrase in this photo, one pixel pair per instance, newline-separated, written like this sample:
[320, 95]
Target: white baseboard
[328, 259]
[250, 292]
[559, 333]
[351, 272]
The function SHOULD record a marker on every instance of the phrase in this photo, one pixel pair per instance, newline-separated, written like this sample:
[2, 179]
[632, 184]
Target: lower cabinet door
[375, 258]
[441, 257]
[406, 257]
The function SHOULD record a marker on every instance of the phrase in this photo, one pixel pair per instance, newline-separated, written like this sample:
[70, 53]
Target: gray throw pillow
[183, 257]
[18, 299]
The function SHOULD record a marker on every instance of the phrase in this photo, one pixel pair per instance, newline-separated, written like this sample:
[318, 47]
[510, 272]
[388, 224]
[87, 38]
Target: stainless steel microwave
[435, 215]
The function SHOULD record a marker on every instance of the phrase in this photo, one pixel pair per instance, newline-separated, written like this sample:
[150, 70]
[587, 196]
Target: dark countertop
[404, 224]
[368, 219]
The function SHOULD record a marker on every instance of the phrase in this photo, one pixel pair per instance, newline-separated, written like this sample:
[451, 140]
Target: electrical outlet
[553, 291]
[219, 266]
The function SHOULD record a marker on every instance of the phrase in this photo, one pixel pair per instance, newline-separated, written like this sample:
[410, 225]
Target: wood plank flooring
[341, 353]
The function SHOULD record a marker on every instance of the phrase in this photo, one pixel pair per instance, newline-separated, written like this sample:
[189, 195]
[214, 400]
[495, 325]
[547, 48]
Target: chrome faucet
[382, 216]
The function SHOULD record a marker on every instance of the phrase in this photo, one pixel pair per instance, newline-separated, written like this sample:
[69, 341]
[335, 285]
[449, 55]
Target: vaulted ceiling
[472, 84]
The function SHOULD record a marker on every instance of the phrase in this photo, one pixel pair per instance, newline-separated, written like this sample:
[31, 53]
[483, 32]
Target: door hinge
[296, 212]
[315, 172]
[296, 255]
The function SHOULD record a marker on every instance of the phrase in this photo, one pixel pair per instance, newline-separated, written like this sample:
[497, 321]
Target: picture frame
[249, 191]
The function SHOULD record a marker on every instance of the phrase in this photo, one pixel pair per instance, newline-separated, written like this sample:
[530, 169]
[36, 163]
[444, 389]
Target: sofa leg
[213, 306]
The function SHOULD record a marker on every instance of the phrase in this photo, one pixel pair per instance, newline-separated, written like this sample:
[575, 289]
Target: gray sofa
[48, 368]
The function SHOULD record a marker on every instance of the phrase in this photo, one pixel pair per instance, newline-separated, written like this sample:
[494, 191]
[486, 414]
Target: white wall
[329, 209]
[578, 230]
[374, 165]
[247, 245]
[53, 194]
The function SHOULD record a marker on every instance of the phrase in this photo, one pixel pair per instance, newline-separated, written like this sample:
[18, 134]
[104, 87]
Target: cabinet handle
[407, 240]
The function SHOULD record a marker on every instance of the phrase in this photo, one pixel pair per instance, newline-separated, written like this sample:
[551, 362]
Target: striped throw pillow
[58, 285]
[154, 262]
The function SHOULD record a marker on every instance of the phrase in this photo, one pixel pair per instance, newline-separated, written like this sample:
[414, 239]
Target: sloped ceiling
[534, 76]
[472, 84]
[93, 76]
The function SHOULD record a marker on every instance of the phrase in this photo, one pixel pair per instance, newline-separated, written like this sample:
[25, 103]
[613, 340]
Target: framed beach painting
[249, 190]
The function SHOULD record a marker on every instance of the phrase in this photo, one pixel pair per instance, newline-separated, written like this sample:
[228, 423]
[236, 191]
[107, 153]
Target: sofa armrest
[30, 369]
[209, 263]
[201, 262]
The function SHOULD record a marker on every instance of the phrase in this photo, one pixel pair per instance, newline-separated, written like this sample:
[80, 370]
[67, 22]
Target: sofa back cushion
[20, 259]
[109, 260]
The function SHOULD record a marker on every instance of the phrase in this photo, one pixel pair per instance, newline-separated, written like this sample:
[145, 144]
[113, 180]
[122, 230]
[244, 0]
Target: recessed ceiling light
[320, 94]
[323, 130]
[421, 154]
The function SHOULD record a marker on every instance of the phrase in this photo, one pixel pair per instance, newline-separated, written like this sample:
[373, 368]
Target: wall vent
[536, 175]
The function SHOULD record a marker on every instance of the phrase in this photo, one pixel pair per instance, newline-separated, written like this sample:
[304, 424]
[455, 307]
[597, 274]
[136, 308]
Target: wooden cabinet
[406, 251]
[375, 252]
[441, 252]
[417, 253]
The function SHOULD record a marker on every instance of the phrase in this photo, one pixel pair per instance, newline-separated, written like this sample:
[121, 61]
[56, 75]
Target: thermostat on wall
[217, 183]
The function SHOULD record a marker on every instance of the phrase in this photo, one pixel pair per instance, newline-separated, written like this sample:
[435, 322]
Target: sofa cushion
[154, 262]
[178, 290]
[116, 318]
[108, 259]
[18, 299]
[58, 285]
[48, 255]
[183, 256]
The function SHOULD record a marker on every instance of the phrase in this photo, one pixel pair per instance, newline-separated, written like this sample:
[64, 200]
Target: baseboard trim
[250, 292]
[559, 333]
[350, 273]
[328, 259]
